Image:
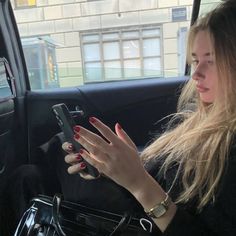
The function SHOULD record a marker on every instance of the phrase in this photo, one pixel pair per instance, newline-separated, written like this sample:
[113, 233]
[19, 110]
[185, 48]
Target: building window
[121, 54]
[182, 42]
[25, 3]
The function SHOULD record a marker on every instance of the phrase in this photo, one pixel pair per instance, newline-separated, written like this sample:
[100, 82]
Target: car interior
[27, 122]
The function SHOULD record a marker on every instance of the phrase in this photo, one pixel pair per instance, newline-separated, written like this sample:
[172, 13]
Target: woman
[187, 184]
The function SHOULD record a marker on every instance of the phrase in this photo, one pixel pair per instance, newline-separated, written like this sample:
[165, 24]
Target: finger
[90, 160]
[98, 150]
[93, 160]
[74, 169]
[90, 138]
[87, 176]
[73, 158]
[124, 136]
[68, 147]
[104, 130]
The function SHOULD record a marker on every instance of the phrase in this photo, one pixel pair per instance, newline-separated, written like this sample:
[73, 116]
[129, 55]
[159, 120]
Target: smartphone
[66, 123]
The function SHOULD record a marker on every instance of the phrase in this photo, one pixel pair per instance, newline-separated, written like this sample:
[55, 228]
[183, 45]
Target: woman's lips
[201, 89]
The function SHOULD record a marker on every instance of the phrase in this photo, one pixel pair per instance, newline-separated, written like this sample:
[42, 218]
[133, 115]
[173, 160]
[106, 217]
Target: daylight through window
[121, 54]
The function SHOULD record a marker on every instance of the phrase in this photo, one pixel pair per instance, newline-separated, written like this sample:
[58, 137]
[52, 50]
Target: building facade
[97, 40]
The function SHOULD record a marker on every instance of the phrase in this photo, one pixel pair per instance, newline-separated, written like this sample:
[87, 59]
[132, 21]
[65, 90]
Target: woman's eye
[210, 62]
[194, 62]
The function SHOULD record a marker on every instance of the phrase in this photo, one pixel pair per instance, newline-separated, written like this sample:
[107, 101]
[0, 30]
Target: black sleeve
[216, 219]
[185, 224]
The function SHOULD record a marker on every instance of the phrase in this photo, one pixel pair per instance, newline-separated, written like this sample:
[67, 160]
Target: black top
[216, 219]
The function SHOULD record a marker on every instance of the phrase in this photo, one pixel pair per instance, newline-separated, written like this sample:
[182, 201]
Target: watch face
[159, 211]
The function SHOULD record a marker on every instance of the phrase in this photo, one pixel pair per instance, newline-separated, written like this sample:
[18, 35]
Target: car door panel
[137, 105]
[6, 122]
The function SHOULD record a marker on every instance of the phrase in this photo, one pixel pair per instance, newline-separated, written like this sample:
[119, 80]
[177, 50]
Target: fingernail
[81, 151]
[78, 157]
[76, 128]
[76, 136]
[92, 119]
[119, 126]
[82, 165]
[70, 147]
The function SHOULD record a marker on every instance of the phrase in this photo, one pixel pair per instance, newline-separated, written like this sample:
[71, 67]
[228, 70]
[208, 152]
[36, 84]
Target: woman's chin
[206, 99]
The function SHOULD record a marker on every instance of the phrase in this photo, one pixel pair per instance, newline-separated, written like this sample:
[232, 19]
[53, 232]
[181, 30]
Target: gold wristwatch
[160, 209]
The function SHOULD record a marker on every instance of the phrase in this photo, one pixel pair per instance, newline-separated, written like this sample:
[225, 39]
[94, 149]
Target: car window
[208, 5]
[74, 42]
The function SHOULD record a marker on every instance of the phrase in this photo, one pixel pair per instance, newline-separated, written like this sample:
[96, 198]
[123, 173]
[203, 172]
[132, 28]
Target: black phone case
[66, 123]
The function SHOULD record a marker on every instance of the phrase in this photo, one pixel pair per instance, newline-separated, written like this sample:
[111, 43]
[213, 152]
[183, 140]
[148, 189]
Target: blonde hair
[200, 144]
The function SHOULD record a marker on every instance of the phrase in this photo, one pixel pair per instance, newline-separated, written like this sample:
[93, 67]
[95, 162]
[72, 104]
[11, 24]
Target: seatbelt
[10, 77]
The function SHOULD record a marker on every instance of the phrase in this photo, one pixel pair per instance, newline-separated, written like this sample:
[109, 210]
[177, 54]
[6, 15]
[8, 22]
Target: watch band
[159, 209]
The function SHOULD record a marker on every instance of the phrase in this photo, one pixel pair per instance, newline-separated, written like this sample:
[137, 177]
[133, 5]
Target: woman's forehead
[202, 45]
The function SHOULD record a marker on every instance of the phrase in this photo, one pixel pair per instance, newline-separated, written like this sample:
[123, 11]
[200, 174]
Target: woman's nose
[198, 73]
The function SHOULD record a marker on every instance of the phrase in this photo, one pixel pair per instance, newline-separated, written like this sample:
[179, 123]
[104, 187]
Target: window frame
[120, 40]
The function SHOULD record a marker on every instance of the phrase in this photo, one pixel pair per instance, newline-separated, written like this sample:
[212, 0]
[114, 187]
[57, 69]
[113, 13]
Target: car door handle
[77, 112]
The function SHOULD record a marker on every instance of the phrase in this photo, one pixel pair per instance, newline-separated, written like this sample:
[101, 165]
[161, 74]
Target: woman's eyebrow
[207, 54]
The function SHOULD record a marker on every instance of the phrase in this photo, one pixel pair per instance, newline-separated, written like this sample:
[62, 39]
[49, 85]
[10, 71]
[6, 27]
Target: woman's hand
[76, 162]
[114, 154]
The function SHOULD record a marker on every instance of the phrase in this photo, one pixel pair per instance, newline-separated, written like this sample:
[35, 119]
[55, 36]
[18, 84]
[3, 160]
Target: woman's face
[204, 68]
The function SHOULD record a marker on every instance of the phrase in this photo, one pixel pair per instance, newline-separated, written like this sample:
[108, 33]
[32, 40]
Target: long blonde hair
[202, 141]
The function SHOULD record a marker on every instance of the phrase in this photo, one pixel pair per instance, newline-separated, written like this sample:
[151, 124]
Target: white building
[99, 40]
